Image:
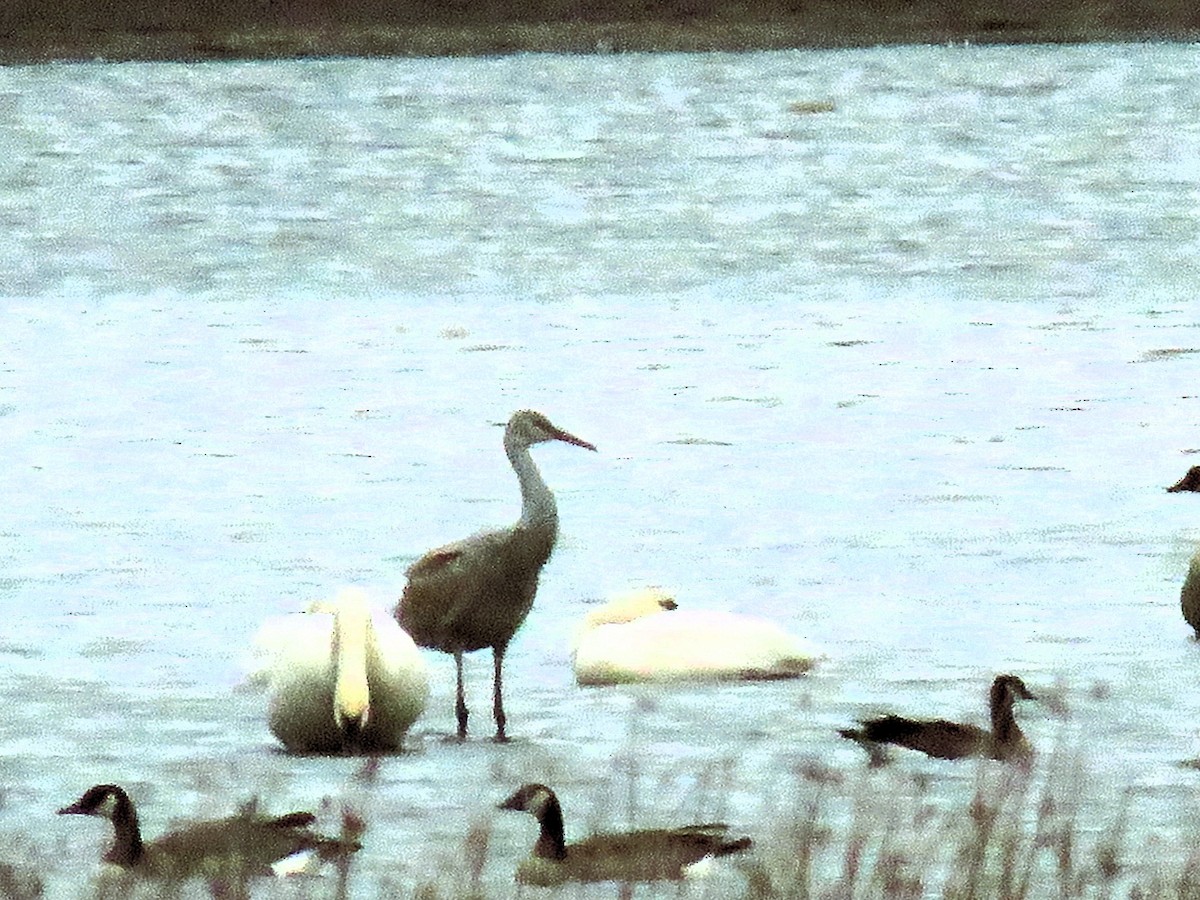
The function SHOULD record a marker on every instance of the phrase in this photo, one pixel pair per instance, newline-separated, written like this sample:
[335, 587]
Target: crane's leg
[460, 704]
[498, 692]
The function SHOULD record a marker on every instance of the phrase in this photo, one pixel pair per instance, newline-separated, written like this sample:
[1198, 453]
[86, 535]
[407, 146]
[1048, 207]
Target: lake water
[897, 347]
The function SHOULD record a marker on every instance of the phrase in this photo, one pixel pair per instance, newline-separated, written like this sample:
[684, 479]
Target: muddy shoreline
[38, 31]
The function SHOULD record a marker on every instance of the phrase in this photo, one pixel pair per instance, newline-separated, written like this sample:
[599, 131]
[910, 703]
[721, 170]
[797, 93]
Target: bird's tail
[716, 831]
[877, 753]
[292, 820]
[332, 849]
[735, 846]
[340, 847]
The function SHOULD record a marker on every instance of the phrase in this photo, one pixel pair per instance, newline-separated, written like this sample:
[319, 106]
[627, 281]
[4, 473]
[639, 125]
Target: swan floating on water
[1189, 595]
[341, 678]
[641, 635]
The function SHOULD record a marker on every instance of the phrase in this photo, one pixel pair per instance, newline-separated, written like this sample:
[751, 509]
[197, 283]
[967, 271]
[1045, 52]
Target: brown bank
[34, 31]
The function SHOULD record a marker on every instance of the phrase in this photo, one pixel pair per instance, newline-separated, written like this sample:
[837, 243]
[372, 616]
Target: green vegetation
[39, 30]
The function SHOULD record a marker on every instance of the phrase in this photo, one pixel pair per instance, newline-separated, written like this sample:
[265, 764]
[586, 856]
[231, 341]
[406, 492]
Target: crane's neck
[537, 502]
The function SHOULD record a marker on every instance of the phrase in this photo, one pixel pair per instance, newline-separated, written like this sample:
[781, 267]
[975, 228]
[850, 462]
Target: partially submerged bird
[1189, 482]
[243, 845]
[953, 740]
[641, 635]
[1189, 596]
[476, 593]
[342, 678]
[649, 855]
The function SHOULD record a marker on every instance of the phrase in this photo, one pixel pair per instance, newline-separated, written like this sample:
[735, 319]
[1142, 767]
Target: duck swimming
[642, 635]
[245, 844]
[649, 855]
[952, 740]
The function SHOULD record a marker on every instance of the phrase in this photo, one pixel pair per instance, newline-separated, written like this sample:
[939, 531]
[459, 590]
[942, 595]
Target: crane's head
[527, 427]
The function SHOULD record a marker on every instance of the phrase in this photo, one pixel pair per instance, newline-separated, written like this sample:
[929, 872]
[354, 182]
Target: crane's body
[476, 593]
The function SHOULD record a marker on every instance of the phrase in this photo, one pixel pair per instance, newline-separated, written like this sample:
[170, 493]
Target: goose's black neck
[127, 849]
[1004, 723]
[550, 843]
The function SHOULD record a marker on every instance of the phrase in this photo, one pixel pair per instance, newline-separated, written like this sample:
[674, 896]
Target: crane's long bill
[569, 438]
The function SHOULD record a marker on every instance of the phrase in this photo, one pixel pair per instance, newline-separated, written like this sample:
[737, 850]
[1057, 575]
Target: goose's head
[534, 799]
[527, 427]
[104, 800]
[110, 802]
[1010, 687]
[540, 802]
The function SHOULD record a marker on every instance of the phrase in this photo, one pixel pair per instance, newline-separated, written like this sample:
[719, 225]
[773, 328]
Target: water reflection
[906, 376]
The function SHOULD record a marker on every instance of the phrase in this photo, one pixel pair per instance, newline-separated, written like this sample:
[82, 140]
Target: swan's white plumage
[638, 636]
[340, 676]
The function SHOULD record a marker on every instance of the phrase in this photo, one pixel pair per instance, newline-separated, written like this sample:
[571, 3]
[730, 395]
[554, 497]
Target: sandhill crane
[475, 593]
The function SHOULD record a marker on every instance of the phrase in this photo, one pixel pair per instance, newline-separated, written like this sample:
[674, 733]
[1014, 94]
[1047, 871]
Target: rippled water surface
[907, 375]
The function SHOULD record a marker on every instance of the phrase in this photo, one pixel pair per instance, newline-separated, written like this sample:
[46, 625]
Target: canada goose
[242, 845]
[1189, 482]
[650, 855]
[1189, 597]
[951, 740]
[476, 593]
[341, 678]
[629, 639]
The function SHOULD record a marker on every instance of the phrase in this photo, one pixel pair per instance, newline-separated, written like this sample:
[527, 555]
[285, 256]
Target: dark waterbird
[628, 857]
[1189, 482]
[229, 850]
[476, 593]
[952, 740]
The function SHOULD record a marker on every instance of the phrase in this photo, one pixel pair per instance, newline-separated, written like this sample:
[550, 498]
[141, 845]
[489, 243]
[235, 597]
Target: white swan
[340, 677]
[1189, 596]
[641, 636]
